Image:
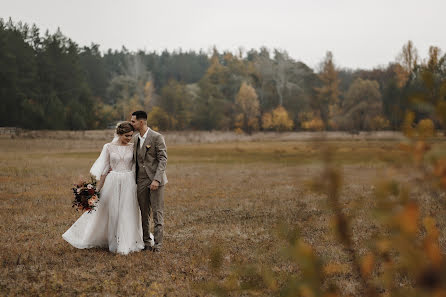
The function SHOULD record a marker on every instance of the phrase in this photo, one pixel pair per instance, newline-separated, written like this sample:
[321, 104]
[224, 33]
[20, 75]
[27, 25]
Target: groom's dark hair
[140, 114]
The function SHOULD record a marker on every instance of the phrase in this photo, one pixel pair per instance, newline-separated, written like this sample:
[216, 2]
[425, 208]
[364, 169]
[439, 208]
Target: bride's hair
[124, 127]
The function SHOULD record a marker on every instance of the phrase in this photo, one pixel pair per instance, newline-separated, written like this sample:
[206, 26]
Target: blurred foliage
[402, 258]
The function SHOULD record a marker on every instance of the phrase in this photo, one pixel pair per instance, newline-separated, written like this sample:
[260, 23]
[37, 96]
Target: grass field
[229, 196]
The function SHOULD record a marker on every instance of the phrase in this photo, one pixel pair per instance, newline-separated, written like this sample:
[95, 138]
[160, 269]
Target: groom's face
[137, 124]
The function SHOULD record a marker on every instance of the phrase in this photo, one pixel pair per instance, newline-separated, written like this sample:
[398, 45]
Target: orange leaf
[430, 226]
[367, 264]
[408, 219]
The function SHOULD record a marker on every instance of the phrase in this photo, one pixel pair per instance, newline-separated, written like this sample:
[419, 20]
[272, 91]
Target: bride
[116, 223]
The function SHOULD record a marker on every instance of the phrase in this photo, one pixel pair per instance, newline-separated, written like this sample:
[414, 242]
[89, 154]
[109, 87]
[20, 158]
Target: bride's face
[126, 137]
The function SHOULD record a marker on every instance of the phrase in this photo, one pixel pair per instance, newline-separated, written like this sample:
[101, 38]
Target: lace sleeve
[102, 164]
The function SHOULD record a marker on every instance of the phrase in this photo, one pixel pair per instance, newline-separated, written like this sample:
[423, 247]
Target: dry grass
[230, 195]
[183, 137]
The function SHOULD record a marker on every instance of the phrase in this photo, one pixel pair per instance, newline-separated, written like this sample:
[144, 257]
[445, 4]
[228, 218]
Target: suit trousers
[151, 201]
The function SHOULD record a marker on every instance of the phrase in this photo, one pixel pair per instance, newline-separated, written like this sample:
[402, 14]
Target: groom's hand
[154, 185]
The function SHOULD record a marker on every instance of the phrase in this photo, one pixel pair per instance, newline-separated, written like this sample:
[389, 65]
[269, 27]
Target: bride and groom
[131, 178]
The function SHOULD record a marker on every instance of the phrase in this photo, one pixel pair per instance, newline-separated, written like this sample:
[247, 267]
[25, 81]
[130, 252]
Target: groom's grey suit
[151, 161]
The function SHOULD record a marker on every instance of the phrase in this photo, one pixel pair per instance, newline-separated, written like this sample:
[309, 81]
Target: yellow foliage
[149, 90]
[278, 120]
[215, 69]
[440, 168]
[383, 245]
[311, 121]
[440, 171]
[433, 251]
[426, 128]
[281, 119]
[157, 117]
[125, 107]
[248, 104]
[315, 124]
[408, 218]
[429, 224]
[329, 92]
[408, 129]
[305, 249]
[134, 104]
[401, 75]
[238, 131]
[105, 114]
[253, 124]
[267, 121]
[238, 121]
[336, 268]
[379, 123]
[367, 264]
[431, 246]
[419, 150]
[306, 291]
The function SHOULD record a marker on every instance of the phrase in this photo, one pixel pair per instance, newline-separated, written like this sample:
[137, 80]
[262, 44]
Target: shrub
[159, 118]
[278, 120]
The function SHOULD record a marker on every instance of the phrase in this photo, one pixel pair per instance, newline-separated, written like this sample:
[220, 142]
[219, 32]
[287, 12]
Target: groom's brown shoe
[156, 250]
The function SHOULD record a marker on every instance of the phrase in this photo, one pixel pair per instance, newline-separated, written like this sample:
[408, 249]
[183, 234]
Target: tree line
[47, 81]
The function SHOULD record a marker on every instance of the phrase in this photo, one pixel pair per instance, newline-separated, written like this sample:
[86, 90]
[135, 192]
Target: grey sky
[359, 33]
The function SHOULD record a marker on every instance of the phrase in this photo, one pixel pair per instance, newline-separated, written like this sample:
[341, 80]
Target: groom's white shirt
[143, 138]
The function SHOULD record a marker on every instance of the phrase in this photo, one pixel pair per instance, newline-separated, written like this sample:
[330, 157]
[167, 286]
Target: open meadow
[224, 203]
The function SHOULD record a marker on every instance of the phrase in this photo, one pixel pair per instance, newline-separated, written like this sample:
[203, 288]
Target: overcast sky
[361, 34]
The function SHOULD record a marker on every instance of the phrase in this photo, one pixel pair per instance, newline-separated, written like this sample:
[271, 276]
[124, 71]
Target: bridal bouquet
[85, 195]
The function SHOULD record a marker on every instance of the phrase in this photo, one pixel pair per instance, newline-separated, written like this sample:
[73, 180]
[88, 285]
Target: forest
[48, 81]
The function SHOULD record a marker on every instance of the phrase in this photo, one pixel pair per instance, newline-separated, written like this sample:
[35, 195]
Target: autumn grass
[225, 198]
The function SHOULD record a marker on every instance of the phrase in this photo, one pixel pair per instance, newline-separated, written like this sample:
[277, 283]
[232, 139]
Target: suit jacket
[155, 156]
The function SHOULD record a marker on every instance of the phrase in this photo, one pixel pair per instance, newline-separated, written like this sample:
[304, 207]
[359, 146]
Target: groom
[151, 159]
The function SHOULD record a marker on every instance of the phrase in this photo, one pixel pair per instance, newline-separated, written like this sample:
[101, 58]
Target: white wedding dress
[116, 221]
